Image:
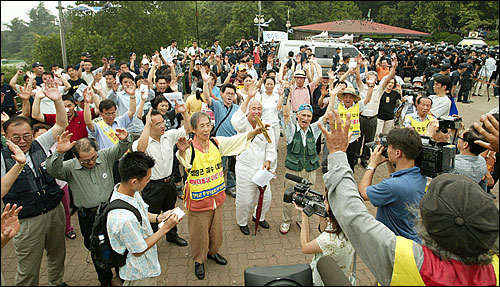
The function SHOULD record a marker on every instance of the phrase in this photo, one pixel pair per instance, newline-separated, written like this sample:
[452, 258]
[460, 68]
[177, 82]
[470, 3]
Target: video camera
[449, 122]
[411, 90]
[383, 141]
[436, 157]
[304, 196]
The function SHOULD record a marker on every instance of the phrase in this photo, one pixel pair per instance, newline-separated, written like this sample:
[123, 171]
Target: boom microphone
[297, 179]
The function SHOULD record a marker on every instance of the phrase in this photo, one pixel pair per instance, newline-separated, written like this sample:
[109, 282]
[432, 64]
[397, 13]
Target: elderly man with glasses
[42, 217]
[90, 175]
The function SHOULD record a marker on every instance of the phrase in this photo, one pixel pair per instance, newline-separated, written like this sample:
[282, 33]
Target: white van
[323, 49]
[473, 42]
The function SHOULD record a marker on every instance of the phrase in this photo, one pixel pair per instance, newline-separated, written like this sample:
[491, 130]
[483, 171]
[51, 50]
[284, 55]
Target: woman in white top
[331, 242]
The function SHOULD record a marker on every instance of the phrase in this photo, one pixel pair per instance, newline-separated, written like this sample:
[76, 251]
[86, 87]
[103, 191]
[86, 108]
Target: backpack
[100, 248]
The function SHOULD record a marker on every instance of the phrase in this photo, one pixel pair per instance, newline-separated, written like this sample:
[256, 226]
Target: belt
[369, 118]
[163, 180]
[83, 211]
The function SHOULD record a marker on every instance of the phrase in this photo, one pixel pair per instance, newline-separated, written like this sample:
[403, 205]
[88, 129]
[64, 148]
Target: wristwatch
[370, 167]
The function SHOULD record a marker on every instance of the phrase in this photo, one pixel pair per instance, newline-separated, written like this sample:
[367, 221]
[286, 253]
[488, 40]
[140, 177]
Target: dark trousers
[161, 196]
[368, 127]
[176, 173]
[86, 218]
[463, 94]
[351, 153]
[116, 175]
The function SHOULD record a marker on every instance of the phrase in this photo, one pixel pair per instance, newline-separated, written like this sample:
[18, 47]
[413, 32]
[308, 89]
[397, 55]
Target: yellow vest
[206, 176]
[354, 111]
[421, 127]
[406, 273]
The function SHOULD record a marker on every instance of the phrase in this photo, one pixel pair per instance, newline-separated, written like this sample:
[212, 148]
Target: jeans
[230, 176]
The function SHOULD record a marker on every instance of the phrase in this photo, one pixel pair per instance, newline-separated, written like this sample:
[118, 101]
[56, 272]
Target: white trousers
[247, 194]
[383, 127]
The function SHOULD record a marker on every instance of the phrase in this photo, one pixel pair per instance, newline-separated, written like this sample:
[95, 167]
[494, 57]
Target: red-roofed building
[359, 28]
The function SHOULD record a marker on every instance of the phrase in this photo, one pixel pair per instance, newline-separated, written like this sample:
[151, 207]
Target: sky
[13, 9]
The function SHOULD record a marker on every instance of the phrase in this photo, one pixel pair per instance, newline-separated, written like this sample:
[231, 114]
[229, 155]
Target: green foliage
[445, 37]
[492, 35]
[9, 72]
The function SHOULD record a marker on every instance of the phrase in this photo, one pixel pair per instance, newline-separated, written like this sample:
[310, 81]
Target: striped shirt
[125, 233]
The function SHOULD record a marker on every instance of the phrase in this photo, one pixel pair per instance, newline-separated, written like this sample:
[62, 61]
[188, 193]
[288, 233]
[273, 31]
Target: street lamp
[259, 20]
[288, 24]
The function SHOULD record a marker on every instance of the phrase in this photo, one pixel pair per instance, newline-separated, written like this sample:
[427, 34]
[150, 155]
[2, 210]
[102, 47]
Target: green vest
[299, 157]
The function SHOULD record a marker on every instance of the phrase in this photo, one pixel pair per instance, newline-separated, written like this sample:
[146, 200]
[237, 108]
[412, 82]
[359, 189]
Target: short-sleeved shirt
[76, 126]
[126, 233]
[162, 152]
[387, 105]
[336, 246]
[472, 166]
[122, 100]
[75, 85]
[392, 196]
[440, 106]
[220, 110]
[301, 95]
[8, 100]
[102, 139]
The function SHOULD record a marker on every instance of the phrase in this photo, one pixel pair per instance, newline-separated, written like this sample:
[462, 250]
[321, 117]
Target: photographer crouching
[457, 221]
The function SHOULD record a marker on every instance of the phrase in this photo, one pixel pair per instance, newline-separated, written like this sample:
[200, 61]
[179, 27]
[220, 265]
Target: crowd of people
[92, 134]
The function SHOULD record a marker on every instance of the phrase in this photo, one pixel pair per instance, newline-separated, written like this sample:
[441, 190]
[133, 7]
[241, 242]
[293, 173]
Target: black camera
[436, 157]
[312, 201]
[449, 122]
[411, 90]
[383, 141]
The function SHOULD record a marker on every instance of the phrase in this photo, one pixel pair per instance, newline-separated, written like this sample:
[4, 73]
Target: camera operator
[406, 186]
[331, 242]
[450, 243]
[487, 66]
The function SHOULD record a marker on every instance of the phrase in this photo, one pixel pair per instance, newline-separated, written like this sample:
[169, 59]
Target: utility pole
[63, 40]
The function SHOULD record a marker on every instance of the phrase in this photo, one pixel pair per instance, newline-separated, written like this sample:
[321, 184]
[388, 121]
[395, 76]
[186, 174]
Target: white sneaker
[284, 228]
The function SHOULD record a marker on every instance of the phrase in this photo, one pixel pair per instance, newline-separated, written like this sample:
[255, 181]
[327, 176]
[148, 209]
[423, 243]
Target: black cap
[36, 64]
[130, 54]
[86, 54]
[462, 65]
[445, 67]
[459, 215]
[111, 58]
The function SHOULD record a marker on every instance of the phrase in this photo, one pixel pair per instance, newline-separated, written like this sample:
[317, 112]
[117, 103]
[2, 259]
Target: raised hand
[252, 91]
[58, 72]
[18, 154]
[121, 133]
[281, 90]
[371, 79]
[204, 75]
[297, 58]
[130, 89]
[26, 92]
[97, 87]
[19, 72]
[51, 91]
[183, 144]
[324, 91]
[180, 108]
[338, 138]
[87, 96]
[97, 77]
[115, 86]
[394, 62]
[39, 94]
[30, 74]
[174, 86]
[10, 221]
[491, 135]
[331, 75]
[149, 121]
[63, 142]
[5, 117]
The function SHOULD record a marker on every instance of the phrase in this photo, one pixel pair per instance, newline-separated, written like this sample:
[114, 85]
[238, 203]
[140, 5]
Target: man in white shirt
[195, 50]
[172, 49]
[161, 193]
[441, 104]
[485, 73]
[47, 105]
[259, 155]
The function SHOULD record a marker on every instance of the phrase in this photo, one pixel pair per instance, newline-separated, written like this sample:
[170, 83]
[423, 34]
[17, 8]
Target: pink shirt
[301, 95]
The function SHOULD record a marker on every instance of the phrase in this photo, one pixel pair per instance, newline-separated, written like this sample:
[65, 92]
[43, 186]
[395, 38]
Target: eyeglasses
[87, 161]
[109, 114]
[26, 137]
[461, 138]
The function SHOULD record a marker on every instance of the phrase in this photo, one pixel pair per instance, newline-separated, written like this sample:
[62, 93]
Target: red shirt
[76, 125]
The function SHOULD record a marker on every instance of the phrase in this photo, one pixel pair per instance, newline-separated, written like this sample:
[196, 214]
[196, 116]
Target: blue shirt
[216, 91]
[220, 110]
[102, 139]
[393, 195]
[122, 101]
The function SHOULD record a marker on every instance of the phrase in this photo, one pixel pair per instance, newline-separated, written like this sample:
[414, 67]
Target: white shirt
[490, 65]
[88, 77]
[259, 149]
[172, 51]
[162, 152]
[371, 109]
[440, 106]
[47, 105]
[192, 51]
[269, 111]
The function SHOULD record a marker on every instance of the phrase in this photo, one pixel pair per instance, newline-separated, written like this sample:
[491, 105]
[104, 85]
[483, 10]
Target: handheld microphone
[297, 179]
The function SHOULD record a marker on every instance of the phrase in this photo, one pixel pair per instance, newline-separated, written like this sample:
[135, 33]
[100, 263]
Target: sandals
[71, 235]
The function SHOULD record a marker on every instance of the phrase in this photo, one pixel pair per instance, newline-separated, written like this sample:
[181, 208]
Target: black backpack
[102, 254]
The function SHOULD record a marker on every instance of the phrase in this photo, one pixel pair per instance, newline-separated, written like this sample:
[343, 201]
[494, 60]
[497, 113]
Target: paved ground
[268, 248]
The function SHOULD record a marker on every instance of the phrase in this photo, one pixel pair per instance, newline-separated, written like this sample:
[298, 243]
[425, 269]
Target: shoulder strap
[310, 95]
[212, 139]
[120, 204]
[227, 114]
